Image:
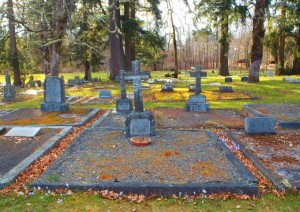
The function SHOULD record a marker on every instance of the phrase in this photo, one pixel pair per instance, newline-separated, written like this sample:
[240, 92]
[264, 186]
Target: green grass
[79, 201]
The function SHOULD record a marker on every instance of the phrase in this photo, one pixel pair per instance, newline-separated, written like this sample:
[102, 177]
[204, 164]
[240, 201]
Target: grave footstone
[124, 104]
[139, 122]
[260, 125]
[228, 79]
[105, 94]
[244, 79]
[54, 95]
[197, 102]
[23, 132]
[225, 89]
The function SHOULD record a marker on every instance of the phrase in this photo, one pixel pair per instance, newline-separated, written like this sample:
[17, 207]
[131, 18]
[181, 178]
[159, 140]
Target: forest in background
[50, 37]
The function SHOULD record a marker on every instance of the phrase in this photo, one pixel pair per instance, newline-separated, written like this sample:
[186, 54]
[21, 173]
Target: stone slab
[14, 161]
[105, 94]
[140, 124]
[260, 125]
[174, 163]
[197, 98]
[24, 131]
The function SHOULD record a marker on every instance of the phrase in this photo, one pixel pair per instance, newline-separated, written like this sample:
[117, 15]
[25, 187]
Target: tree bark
[296, 62]
[224, 46]
[44, 48]
[281, 40]
[127, 38]
[13, 44]
[258, 34]
[174, 47]
[116, 52]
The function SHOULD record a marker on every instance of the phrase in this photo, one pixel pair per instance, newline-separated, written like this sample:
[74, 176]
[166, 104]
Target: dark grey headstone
[169, 83]
[2, 130]
[167, 88]
[199, 107]
[140, 124]
[54, 95]
[203, 74]
[7, 79]
[124, 105]
[39, 83]
[244, 79]
[77, 80]
[260, 125]
[23, 132]
[71, 82]
[105, 94]
[225, 89]
[228, 79]
[9, 92]
[32, 83]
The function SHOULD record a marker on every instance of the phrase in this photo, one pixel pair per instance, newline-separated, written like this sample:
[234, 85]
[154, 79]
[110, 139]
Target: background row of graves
[141, 122]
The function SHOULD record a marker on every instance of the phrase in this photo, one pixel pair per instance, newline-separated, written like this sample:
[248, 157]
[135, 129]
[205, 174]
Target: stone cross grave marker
[54, 95]
[7, 79]
[197, 75]
[23, 132]
[9, 89]
[124, 104]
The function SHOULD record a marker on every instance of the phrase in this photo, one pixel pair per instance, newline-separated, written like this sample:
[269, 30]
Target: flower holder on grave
[197, 102]
[139, 122]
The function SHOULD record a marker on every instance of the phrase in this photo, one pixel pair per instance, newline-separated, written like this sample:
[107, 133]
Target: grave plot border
[283, 124]
[251, 97]
[84, 120]
[276, 181]
[249, 188]
[12, 175]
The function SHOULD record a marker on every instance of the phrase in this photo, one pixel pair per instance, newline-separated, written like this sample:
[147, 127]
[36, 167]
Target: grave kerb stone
[23, 132]
[260, 125]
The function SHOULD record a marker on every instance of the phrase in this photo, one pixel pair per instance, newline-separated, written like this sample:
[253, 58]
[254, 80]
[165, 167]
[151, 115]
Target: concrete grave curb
[13, 173]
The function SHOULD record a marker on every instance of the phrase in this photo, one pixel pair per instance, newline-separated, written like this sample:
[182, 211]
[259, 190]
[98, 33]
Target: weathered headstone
[23, 132]
[124, 104]
[228, 79]
[139, 122]
[77, 80]
[260, 125]
[203, 74]
[54, 95]
[39, 83]
[168, 86]
[225, 89]
[244, 79]
[71, 82]
[32, 84]
[105, 94]
[9, 89]
[197, 102]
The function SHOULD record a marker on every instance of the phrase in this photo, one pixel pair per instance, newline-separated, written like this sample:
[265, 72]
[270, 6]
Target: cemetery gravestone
[203, 74]
[260, 125]
[192, 88]
[244, 79]
[168, 86]
[23, 132]
[225, 89]
[197, 102]
[77, 80]
[124, 104]
[39, 83]
[228, 79]
[105, 94]
[71, 82]
[139, 122]
[54, 95]
[32, 83]
[9, 90]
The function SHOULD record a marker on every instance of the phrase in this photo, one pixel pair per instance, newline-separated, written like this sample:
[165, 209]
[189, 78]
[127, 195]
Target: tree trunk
[44, 48]
[281, 40]
[224, 46]
[127, 38]
[258, 34]
[116, 52]
[13, 44]
[296, 62]
[87, 70]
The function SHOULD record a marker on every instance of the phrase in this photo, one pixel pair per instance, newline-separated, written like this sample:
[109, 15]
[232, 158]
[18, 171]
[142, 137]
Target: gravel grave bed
[14, 150]
[279, 154]
[33, 116]
[180, 118]
[114, 120]
[102, 156]
[281, 112]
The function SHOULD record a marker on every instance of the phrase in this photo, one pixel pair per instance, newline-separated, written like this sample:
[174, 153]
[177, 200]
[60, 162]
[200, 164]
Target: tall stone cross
[197, 74]
[7, 79]
[136, 77]
[123, 84]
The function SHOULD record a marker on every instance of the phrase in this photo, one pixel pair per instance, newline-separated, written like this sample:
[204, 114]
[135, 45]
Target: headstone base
[140, 124]
[124, 105]
[54, 107]
[260, 125]
[197, 106]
